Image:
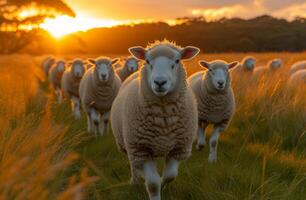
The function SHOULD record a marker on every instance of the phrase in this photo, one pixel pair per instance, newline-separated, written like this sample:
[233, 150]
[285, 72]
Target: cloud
[171, 9]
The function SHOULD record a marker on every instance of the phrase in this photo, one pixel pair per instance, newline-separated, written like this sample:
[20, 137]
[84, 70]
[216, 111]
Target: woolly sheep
[130, 66]
[47, 64]
[272, 66]
[55, 75]
[155, 114]
[298, 78]
[216, 102]
[70, 84]
[246, 65]
[298, 66]
[98, 89]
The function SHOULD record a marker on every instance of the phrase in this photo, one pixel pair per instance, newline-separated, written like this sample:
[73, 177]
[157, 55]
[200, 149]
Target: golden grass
[32, 149]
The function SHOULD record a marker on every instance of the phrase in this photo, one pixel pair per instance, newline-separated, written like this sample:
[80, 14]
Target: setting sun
[63, 25]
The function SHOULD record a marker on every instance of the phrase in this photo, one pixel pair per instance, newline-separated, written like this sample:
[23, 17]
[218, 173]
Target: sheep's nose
[220, 83]
[160, 82]
[103, 76]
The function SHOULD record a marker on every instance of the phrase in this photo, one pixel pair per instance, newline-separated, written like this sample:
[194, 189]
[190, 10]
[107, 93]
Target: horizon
[96, 14]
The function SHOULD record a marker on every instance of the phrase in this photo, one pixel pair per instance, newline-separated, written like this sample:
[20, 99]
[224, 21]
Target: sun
[64, 25]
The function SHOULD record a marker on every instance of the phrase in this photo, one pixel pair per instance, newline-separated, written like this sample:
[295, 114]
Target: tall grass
[33, 151]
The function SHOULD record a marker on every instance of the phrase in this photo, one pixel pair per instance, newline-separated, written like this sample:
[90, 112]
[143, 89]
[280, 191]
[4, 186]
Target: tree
[19, 27]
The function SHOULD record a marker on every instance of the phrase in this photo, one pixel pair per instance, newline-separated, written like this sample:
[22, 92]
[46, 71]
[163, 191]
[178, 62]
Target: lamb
[130, 66]
[297, 79]
[98, 89]
[272, 66]
[47, 64]
[216, 101]
[70, 84]
[297, 66]
[55, 75]
[155, 115]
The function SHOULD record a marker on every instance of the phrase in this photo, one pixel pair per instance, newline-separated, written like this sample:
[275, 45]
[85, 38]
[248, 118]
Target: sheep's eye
[177, 61]
[147, 61]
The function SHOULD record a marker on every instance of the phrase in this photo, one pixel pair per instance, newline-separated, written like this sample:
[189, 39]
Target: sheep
[155, 115]
[47, 64]
[55, 75]
[247, 65]
[272, 66]
[297, 66]
[297, 78]
[70, 84]
[98, 89]
[130, 66]
[216, 101]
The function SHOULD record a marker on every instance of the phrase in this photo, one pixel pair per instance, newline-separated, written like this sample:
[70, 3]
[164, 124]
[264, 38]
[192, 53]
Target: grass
[47, 154]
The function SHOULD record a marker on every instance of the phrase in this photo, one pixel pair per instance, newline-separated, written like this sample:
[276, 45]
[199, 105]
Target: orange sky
[170, 9]
[106, 13]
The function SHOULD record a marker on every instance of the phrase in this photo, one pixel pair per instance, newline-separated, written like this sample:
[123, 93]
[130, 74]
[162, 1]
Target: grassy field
[46, 154]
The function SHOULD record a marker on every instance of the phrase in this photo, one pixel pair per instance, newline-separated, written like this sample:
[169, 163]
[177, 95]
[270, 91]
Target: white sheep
[55, 75]
[47, 64]
[216, 101]
[247, 65]
[98, 89]
[70, 84]
[130, 66]
[155, 115]
[272, 66]
[297, 66]
[297, 79]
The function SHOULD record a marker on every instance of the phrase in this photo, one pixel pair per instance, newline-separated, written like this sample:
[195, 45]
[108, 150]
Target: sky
[107, 13]
[171, 9]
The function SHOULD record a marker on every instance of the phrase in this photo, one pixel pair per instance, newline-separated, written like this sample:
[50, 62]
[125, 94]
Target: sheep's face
[162, 75]
[103, 68]
[249, 64]
[218, 73]
[163, 65]
[78, 69]
[60, 66]
[275, 64]
[132, 65]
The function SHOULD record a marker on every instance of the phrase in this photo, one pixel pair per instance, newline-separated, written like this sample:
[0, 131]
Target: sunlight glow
[63, 25]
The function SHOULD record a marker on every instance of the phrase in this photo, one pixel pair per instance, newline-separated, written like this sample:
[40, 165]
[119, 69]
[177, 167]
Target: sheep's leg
[89, 124]
[95, 117]
[135, 175]
[58, 93]
[152, 180]
[104, 122]
[75, 103]
[213, 144]
[171, 170]
[201, 142]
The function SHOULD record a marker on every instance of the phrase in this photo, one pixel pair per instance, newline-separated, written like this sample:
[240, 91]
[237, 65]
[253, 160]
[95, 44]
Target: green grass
[262, 155]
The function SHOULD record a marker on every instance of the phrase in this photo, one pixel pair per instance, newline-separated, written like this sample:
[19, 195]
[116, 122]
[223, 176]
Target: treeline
[259, 34]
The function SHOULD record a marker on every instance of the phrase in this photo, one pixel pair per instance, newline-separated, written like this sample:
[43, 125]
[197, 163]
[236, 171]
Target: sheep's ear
[204, 64]
[232, 65]
[92, 61]
[138, 52]
[189, 52]
[115, 60]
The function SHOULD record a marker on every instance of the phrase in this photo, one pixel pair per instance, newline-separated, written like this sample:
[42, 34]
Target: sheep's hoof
[200, 147]
[212, 158]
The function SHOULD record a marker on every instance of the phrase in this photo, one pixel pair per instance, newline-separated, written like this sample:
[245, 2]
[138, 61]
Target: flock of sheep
[155, 109]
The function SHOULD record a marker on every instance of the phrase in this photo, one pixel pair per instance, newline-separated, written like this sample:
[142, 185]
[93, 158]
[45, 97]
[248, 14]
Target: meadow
[46, 154]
